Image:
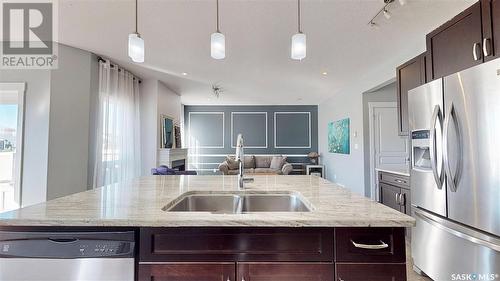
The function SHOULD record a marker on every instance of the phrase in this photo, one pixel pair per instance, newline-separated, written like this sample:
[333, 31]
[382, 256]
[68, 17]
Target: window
[11, 129]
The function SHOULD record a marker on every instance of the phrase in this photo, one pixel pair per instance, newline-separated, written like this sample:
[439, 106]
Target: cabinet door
[490, 12]
[405, 201]
[456, 45]
[370, 272]
[248, 271]
[409, 75]
[389, 196]
[187, 272]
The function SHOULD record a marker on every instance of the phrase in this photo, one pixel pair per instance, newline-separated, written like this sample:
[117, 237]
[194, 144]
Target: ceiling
[257, 68]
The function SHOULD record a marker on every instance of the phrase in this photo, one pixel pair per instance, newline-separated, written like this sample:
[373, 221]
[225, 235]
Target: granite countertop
[140, 202]
[401, 172]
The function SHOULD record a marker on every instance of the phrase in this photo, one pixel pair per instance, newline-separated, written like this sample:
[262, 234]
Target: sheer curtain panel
[117, 155]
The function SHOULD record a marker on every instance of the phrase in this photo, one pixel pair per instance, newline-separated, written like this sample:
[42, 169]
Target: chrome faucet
[239, 157]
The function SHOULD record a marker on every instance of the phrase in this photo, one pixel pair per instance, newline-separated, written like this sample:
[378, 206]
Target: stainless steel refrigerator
[455, 174]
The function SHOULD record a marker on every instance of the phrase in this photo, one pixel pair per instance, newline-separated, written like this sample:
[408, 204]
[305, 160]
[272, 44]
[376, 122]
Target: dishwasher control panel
[66, 245]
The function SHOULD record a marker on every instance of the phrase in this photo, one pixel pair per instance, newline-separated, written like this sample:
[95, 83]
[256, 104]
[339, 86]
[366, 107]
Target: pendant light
[217, 41]
[298, 40]
[136, 43]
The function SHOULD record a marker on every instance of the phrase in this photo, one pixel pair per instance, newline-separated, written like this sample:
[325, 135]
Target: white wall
[56, 128]
[155, 99]
[69, 123]
[348, 170]
[148, 112]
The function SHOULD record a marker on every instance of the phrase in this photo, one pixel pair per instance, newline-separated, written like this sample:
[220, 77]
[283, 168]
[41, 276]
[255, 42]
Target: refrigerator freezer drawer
[445, 250]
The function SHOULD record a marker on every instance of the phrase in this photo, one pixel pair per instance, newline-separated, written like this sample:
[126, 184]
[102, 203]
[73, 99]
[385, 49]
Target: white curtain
[117, 155]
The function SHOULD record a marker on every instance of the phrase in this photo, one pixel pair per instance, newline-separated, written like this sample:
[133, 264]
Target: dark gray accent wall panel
[292, 129]
[253, 126]
[206, 129]
[296, 132]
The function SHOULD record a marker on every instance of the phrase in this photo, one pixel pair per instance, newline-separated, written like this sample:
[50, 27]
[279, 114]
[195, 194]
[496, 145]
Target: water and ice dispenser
[420, 149]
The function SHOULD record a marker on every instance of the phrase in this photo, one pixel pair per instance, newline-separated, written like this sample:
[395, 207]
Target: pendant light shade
[298, 46]
[136, 43]
[217, 40]
[218, 46]
[298, 51]
[136, 47]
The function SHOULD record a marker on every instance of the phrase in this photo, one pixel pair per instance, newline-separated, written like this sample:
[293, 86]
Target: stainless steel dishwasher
[67, 256]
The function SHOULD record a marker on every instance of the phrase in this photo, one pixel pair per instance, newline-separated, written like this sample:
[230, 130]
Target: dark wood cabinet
[456, 45]
[409, 75]
[264, 254]
[389, 196]
[395, 191]
[236, 244]
[370, 245]
[490, 14]
[187, 272]
[371, 272]
[285, 271]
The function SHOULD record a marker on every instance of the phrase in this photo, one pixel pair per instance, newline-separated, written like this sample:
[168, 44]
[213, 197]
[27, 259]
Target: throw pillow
[277, 162]
[232, 163]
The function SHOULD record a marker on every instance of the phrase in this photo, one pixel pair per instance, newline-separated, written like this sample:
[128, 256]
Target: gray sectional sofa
[257, 165]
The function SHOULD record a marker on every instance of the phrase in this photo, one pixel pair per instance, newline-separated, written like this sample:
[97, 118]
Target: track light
[387, 14]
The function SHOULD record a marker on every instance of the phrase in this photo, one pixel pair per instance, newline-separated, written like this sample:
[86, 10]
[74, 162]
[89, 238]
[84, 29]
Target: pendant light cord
[136, 29]
[217, 4]
[298, 15]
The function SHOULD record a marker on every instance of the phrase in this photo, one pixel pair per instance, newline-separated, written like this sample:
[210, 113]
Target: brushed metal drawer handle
[382, 245]
[401, 181]
[474, 51]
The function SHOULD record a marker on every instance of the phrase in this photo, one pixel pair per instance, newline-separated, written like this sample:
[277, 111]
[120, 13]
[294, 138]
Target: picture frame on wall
[167, 132]
[339, 136]
[177, 136]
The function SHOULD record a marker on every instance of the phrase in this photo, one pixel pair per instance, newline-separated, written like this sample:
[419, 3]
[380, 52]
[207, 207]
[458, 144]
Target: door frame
[20, 88]
[374, 195]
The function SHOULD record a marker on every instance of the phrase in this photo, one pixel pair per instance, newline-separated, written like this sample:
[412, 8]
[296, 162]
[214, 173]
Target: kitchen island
[343, 236]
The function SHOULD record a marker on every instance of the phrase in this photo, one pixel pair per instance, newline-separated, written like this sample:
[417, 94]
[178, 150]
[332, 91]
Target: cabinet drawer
[187, 271]
[236, 244]
[372, 272]
[370, 244]
[285, 271]
[394, 179]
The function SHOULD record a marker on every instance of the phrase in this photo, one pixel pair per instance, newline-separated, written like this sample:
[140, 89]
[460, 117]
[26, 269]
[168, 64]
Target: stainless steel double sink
[238, 202]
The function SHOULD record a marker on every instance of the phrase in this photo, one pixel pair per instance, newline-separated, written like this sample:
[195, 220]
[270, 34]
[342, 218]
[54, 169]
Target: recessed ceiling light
[324, 73]
[184, 73]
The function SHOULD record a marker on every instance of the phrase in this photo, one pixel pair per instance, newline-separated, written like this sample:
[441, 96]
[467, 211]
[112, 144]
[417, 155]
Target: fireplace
[174, 158]
[179, 165]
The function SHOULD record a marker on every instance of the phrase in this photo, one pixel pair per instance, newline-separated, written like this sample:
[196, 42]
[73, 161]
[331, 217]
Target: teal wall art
[339, 136]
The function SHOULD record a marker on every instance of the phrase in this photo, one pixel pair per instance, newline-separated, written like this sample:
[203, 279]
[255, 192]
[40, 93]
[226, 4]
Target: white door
[388, 149]
[11, 140]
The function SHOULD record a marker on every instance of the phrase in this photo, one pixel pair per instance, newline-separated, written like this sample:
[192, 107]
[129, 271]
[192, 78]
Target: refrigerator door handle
[459, 231]
[438, 176]
[453, 179]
